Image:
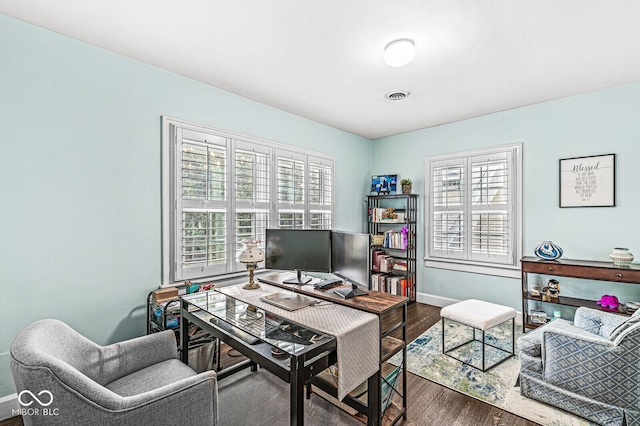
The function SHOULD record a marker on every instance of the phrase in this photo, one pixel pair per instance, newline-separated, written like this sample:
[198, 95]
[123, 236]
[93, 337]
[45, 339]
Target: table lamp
[251, 256]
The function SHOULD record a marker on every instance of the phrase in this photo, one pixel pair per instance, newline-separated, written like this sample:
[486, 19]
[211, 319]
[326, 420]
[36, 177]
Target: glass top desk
[289, 350]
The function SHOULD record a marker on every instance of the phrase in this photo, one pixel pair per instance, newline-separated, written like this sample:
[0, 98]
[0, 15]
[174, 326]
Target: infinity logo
[26, 404]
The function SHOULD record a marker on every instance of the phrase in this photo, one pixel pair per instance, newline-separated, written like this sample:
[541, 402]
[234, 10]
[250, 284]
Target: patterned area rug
[495, 387]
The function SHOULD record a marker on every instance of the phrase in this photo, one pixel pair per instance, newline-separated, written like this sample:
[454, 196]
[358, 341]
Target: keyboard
[328, 283]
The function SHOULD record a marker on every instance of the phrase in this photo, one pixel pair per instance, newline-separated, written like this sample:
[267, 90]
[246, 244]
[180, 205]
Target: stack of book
[390, 284]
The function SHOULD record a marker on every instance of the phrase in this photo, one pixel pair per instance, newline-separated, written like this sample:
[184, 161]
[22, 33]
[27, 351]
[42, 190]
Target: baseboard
[433, 300]
[441, 302]
[7, 404]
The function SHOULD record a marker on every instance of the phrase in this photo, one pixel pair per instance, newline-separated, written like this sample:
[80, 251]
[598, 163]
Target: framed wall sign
[588, 181]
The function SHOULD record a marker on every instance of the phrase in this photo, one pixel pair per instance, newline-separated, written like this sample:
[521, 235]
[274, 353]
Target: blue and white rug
[495, 387]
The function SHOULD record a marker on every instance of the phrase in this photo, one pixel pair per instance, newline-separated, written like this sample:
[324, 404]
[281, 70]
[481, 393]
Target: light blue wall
[80, 235]
[601, 122]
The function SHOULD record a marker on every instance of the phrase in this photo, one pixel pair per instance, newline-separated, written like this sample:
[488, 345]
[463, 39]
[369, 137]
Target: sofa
[590, 367]
[63, 378]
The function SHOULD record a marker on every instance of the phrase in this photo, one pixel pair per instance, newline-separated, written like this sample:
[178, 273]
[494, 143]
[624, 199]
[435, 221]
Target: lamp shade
[399, 53]
[252, 253]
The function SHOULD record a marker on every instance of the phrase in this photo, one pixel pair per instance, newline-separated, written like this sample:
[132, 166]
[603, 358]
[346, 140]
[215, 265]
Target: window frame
[172, 203]
[464, 260]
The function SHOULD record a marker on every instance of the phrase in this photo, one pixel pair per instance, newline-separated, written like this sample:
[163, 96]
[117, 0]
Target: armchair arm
[123, 358]
[593, 367]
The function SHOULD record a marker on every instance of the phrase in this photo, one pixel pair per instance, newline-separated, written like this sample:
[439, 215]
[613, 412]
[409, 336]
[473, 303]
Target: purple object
[609, 302]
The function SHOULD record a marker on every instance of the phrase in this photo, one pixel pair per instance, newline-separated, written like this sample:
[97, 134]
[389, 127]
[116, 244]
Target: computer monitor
[306, 250]
[351, 259]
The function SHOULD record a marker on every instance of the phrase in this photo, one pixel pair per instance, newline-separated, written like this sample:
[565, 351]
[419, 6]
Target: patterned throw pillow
[592, 325]
[634, 319]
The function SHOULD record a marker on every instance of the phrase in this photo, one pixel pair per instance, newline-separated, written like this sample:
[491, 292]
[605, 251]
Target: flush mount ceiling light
[400, 52]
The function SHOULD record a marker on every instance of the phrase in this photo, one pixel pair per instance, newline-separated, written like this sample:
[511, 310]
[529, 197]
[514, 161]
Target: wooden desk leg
[374, 408]
[296, 409]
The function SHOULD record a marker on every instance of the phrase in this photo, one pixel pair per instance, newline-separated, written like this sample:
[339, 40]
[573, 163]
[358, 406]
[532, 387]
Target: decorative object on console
[406, 185]
[251, 256]
[548, 251]
[551, 291]
[538, 317]
[535, 290]
[557, 314]
[609, 303]
[621, 256]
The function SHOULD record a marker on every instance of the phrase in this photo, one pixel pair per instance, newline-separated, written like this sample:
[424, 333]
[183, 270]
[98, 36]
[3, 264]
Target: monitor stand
[298, 279]
[348, 293]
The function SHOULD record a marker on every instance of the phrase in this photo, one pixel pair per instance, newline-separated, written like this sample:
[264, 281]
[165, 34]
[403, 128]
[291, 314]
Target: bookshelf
[392, 221]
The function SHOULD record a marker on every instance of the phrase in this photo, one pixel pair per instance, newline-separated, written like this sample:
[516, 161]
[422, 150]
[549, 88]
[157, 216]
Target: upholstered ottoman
[480, 315]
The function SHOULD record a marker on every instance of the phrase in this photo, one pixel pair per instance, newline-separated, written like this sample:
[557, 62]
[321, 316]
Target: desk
[392, 311]
[222, 315]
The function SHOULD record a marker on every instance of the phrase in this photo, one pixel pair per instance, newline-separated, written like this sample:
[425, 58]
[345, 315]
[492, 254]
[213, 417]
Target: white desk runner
[357, 332]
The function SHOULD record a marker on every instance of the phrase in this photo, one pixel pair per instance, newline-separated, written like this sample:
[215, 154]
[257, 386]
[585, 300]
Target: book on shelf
[384, 215]
[400, 286]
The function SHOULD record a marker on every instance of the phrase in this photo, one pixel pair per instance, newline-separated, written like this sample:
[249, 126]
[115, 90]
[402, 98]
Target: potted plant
[406, 186]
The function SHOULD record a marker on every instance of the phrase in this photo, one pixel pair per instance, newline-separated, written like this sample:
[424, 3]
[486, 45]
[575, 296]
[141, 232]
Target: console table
[392, 311]
[584, 269]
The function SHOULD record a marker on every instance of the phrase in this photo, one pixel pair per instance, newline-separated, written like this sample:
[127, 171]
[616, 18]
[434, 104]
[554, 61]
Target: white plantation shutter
[320, 193]
[220, 189]
[491, 234]
[252, 193]
[448, 223]
[202, 173]
[291, 190]
[473, 207]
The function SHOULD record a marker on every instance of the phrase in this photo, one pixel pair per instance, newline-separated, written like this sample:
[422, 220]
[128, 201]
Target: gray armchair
[62, 378]
[590, 367]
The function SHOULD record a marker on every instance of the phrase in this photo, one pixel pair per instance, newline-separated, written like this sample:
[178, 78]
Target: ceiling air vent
[397, 95]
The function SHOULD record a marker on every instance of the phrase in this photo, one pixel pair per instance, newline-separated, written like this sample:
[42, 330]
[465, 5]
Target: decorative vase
[548, 251]
[406, 189]
[621, 256]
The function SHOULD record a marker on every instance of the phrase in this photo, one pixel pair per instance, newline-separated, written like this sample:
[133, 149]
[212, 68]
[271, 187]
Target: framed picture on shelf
[384, 184]
[588, 181]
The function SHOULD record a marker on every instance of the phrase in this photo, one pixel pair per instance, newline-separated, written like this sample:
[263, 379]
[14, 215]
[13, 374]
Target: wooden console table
[584, 269]
[392, 311]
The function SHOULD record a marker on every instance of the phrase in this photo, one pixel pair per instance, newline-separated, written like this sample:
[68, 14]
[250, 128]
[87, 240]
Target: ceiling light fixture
[397, 95]
[400, 52]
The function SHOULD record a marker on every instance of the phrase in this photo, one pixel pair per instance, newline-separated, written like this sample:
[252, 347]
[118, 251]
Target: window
[220, 189]
[474, 210]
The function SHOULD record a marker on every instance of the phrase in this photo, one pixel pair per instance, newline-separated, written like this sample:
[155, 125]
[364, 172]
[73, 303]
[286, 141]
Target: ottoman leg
[443, 351]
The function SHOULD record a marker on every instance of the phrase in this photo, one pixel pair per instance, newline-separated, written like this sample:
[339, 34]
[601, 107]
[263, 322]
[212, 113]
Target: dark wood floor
[432, 404]
[429, 403]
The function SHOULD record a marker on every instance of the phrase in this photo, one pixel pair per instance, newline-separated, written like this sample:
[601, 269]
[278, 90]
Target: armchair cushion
[150, 378]
[598, 322]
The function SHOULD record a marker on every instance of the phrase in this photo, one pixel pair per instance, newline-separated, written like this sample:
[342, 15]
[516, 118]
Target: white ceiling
[323, 59]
